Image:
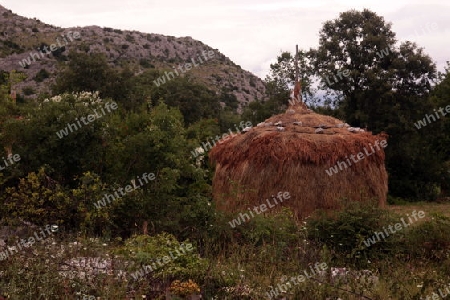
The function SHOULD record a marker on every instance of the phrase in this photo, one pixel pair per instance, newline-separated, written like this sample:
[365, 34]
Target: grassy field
[430, 209]
[248, 262]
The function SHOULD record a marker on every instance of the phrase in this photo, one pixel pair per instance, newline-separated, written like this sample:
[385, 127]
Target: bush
[345, 231]
[38, 199]
[277, 231]
[41, 75]
[28, 90]
[430, 239]
[145, 63]
[148, 250]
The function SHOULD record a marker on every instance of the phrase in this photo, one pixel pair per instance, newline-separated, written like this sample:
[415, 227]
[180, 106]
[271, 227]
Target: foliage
[91, 73]
[38, 199]
[41, 75]
[277, 232]
[436, 134]
[281, 79]
[36, 139]
[155, 130]
[430, 240]
[156, 143]
[145, 250]
[88, 218]
[195, 101]
[105, 155]
[344, 232]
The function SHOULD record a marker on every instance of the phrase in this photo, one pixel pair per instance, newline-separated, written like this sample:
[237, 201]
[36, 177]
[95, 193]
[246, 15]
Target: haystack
[291, 152]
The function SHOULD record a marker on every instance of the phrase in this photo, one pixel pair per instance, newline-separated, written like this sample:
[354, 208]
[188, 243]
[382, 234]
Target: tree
[281, 79]
[382, 87]
[195, 101]
[41, 141]
[84, 72]
[10, 120]
[155, 143]
[358, 59]
[92, 72]
[279, 84]
[438, 135]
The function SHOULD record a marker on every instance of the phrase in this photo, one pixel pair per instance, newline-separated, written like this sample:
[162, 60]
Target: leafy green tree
[195, 101]
[438, 132]
[384, 88]
[11, 116]
[155, 143]
[281, 79]
[258, 111]
[44, 137]
[202, 130]
[38, 199]
[84, 72]
[358, 59]
[90, 73]
[279, 84]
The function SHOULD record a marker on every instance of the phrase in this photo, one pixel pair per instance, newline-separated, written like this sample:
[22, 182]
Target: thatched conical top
[299, 135]
[296, 152]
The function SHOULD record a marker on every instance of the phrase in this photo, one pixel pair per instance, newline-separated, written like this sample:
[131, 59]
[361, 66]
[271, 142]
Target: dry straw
[293, 156]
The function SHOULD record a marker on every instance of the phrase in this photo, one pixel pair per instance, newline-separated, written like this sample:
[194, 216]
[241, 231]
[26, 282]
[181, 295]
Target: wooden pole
[296, 64]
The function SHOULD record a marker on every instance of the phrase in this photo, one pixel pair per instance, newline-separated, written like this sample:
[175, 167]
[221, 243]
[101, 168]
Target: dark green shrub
[41, 75]
[430, 239]
[58, 53]
[145, 63]
[129, 38]
[38, 199]
[277, 231]
[180, 260]
[345, 231]
[28, 90]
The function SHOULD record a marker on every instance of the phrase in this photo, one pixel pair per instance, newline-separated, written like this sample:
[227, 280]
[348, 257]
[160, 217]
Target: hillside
[20, 36]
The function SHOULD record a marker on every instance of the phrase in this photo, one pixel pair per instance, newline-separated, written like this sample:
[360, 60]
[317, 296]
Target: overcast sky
[250, 32]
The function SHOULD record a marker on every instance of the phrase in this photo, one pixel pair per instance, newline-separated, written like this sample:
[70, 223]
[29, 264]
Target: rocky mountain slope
[35, 48]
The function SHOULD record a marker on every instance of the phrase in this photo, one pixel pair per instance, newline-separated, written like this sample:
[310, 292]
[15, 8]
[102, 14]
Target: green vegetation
[60, 179]
[245, 262]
